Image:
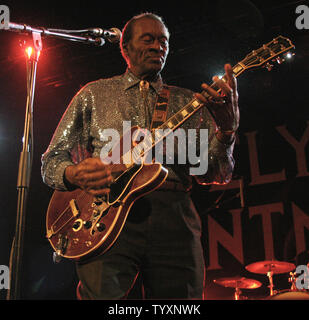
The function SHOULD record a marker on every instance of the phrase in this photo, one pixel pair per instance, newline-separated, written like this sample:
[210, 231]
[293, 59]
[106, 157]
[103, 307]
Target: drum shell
[290, 295]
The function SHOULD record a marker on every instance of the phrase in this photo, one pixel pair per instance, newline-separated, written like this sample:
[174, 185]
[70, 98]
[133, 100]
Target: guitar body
[80, 226]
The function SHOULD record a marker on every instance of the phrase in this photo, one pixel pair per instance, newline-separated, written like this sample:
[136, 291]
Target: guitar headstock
[278, 50]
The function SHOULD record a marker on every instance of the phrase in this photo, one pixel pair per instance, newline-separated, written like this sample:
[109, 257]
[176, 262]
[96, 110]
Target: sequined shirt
[106, 103]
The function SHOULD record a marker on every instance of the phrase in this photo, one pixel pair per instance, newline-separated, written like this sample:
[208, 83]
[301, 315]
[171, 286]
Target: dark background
[204, 36]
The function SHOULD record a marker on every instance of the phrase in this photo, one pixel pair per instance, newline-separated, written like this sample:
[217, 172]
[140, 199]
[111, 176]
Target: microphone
[113, 35]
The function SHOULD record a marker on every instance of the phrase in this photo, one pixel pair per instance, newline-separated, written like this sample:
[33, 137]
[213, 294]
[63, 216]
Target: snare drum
[290, 295]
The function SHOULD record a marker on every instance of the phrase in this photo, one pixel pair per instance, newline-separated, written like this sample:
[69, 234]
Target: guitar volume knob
[87, 224]
[100, 226]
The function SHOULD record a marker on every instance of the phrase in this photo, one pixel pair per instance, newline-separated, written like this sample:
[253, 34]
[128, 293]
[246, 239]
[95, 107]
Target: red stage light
[29, 51]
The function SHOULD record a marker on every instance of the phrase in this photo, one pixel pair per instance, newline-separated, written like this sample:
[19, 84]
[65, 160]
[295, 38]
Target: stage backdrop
[262, 214]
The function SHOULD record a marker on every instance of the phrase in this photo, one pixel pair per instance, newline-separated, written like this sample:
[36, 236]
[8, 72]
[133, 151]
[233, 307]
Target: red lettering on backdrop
[265, 211]
[256, 176]
[299, 147]
[301, 221]
[233, 243]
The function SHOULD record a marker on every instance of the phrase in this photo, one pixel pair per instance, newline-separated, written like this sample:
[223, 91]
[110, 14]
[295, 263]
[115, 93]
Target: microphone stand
[24, 173]
[26, 156]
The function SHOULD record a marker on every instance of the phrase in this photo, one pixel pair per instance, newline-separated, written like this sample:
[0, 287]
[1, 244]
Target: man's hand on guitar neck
[224, 106]
[90, 175]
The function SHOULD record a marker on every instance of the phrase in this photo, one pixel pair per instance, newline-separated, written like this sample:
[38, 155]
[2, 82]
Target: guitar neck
[257, 58]
[194, 105]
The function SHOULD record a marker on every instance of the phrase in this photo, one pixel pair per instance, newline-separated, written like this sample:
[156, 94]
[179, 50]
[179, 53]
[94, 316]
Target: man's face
[148, 48]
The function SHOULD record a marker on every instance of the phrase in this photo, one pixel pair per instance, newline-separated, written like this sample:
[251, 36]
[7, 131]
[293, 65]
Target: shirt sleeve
[219, 155]
[71, 141]
[214, 155]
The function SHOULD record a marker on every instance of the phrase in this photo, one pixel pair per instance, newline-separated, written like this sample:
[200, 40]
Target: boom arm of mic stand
[98, 41]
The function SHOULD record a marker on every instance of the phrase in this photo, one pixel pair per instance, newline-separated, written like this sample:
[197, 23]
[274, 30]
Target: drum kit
[268, 268]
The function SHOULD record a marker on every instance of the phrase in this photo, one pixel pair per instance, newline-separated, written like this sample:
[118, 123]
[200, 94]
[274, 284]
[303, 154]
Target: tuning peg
[268, 66]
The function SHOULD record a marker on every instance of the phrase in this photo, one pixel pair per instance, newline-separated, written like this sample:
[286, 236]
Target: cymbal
[238, 282]
[276, 267]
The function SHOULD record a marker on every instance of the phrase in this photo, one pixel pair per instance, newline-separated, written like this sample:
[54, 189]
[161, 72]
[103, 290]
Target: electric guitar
[80, 226]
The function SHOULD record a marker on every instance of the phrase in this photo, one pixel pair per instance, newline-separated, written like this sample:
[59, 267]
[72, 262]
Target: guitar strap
[160, 110]
[158, 118]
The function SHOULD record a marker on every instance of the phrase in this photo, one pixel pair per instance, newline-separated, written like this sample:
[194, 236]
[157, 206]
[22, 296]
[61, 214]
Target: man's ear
[125, 53]
[125, 49]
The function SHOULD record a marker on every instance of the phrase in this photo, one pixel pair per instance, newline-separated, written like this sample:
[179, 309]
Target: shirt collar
[130, 80]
